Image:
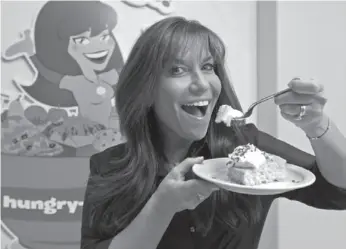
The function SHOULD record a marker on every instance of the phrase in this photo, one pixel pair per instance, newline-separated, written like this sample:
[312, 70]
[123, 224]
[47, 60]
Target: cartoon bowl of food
[44, 179]
[107, 138]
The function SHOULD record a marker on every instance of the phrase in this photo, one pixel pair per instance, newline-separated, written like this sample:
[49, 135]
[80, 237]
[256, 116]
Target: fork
[251, 108]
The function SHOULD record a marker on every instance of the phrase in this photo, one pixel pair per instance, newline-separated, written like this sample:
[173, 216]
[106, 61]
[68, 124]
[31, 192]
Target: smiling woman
[78, 35]
[142, 193]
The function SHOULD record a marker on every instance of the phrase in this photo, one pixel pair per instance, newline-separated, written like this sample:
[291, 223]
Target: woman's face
[186, 96]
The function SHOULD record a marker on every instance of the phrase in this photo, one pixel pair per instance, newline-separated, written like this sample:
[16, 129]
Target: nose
[199, 83]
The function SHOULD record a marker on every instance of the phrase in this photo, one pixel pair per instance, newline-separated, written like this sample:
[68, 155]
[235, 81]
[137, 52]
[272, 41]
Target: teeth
[97, 55]
[199, 103]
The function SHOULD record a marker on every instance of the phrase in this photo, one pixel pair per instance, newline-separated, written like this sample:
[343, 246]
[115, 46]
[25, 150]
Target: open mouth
[196, 109]
[97, 57]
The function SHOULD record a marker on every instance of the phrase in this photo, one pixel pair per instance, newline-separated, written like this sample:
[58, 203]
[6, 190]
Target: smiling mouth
[197, 109]
[97, 57]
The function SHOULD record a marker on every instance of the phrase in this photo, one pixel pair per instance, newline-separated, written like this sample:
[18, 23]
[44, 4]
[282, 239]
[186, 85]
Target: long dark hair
[58, 20]
[118, 198]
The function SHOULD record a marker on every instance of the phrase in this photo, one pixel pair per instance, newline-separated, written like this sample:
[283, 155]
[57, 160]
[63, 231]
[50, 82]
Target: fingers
[199, 191]
[294, 110]
[299, 99]
[291, 113]
[196, 185]
[291, 110]
[293, 98]
[305, 86]
[304, 92]
[187, 164]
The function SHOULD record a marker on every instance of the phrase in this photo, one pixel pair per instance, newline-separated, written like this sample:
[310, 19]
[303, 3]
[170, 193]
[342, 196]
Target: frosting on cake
[250, 166]
[247, 156]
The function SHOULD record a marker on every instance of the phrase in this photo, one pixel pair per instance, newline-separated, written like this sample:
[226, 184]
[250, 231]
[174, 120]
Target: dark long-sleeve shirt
[181, 233]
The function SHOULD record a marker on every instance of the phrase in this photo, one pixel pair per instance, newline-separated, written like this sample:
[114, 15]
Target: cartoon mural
[50, 128]
[77, 60]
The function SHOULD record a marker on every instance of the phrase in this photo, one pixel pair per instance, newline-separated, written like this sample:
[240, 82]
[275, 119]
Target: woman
[77, 57]
[168, 95]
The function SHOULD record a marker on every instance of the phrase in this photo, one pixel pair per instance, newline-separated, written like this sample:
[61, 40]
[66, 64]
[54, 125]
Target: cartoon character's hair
[57, 21]
[123, 194]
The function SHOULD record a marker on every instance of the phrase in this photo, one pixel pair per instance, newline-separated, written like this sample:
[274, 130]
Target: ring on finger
[301, 113]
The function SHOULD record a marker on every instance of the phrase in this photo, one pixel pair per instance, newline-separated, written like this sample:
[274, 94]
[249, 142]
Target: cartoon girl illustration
[76, 56]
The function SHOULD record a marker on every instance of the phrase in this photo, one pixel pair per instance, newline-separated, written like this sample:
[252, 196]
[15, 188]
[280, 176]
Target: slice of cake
[250, 166]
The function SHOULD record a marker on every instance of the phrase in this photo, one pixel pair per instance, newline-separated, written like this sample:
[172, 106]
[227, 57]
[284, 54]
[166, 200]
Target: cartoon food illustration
[56, 115]
[22, 136]
[15, 108]
[106, 139]
[37, 115]
[75, 131]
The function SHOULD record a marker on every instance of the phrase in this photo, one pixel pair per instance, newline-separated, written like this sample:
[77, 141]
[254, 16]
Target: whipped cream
[226, 114]
[248, 156]
[254, 158]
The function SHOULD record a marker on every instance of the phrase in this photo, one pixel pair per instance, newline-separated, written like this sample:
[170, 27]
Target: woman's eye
[208, 67]
[81, 40]
[105, 37]
[177, 70]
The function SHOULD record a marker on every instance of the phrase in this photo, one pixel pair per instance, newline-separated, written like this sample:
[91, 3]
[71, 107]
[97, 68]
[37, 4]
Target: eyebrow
[182, 61]
[208, 58]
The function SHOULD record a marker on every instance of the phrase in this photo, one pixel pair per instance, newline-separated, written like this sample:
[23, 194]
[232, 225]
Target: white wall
[312, 43]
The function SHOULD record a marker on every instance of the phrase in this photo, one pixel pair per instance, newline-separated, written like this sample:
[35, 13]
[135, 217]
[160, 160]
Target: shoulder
[101, 163]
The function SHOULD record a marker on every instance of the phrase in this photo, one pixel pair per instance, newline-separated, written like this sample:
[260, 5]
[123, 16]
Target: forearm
[146, 230]
[330, 152]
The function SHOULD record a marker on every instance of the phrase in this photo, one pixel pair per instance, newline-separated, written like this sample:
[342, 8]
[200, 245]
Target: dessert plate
[215, 171]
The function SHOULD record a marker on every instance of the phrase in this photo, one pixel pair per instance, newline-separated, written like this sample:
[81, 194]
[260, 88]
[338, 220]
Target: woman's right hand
[176, 194]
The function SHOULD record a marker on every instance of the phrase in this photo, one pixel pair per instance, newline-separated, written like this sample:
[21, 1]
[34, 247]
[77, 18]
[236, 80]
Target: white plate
[215, 171]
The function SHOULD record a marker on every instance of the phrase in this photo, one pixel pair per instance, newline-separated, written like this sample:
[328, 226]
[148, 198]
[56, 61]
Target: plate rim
[308, 179]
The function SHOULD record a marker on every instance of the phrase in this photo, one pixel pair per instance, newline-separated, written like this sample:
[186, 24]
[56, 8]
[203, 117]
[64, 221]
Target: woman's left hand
[303, 106]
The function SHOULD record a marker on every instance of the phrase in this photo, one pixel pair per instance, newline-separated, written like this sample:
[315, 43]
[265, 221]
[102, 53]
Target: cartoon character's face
[93, 52]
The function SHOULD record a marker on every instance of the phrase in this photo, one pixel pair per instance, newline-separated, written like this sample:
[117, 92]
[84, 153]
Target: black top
[182, 234]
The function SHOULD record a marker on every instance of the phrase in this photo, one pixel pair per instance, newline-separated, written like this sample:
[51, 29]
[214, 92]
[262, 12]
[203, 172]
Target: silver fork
[250, 110]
